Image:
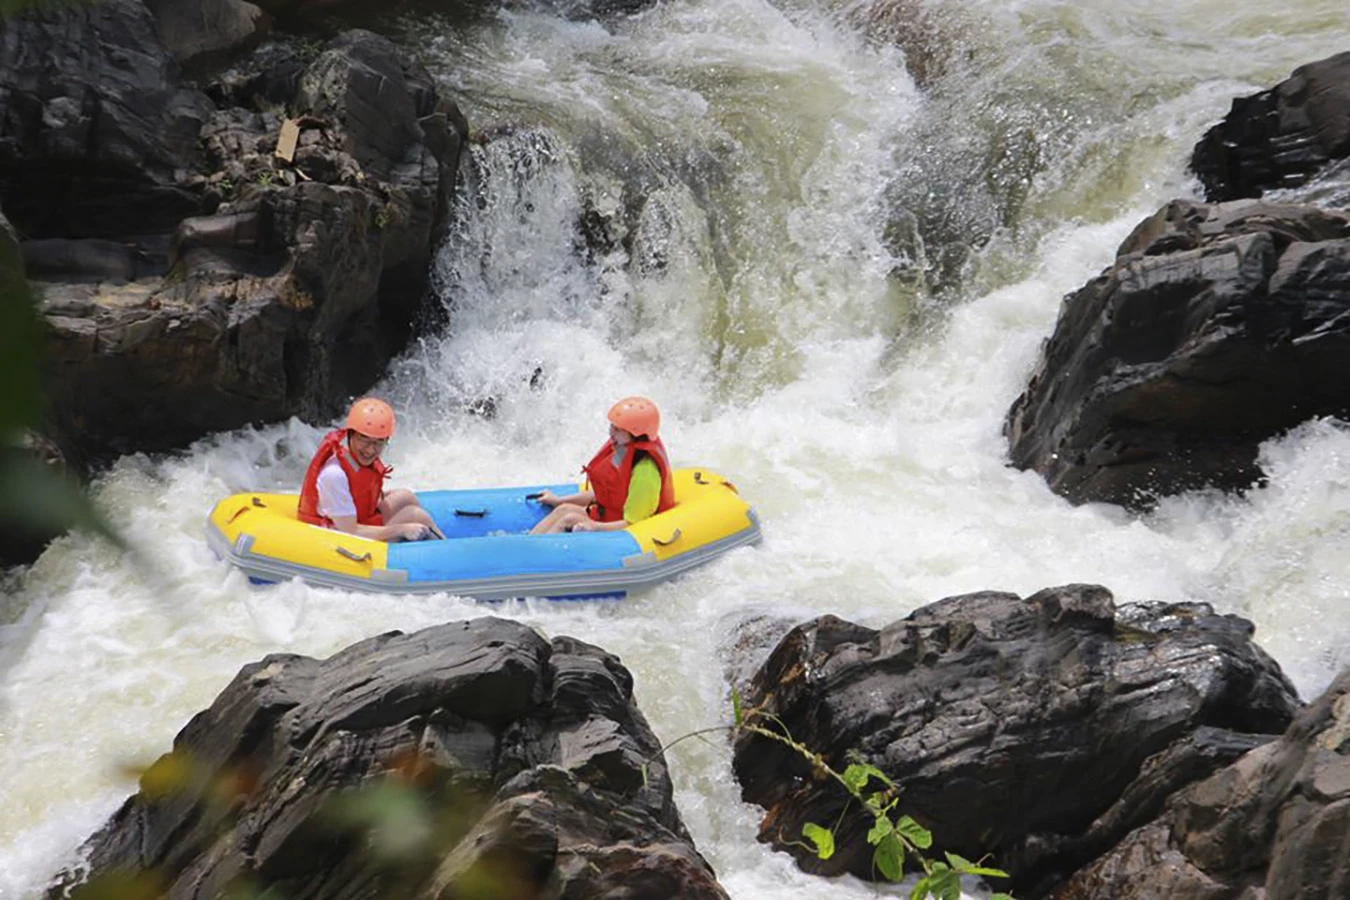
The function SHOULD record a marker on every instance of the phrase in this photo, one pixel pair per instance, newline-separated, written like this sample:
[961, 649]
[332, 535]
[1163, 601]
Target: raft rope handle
[474, 513]
[668, 541]
[698, 478]
[352, 555]
[535, 496]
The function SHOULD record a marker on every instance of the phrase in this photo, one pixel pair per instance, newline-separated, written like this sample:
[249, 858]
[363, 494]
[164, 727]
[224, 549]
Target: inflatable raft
[487, 553]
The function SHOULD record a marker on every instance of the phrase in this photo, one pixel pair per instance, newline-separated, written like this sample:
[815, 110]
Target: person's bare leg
[395, 500]
[401, 506]
[560, 519]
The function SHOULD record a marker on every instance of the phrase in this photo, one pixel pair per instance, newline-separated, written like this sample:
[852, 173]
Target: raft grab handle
[668, 541]
[473, 513]
[535, 496]
[353, 555]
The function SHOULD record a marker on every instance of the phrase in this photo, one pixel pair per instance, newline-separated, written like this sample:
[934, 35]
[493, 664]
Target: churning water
[828, 237]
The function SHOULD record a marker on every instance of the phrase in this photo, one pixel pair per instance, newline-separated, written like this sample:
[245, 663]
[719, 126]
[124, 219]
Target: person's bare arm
[581, 498]
[407, 531]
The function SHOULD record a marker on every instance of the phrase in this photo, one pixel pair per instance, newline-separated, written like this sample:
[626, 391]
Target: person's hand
[413, 531]
[549, 499]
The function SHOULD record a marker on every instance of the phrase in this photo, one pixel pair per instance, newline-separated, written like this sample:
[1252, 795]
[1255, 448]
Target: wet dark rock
[1218, 327]
[286, 286]
[1281, 137]
[1038, 730]
[90, 259]
[97, 136]
[473, 759]
[203, 34]
[265, 79]
[1274, 825]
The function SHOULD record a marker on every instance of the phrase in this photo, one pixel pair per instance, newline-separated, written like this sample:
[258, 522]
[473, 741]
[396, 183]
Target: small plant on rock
[893, 835]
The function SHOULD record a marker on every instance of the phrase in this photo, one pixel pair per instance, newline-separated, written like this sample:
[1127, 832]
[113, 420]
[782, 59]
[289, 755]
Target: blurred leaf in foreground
[37, 501]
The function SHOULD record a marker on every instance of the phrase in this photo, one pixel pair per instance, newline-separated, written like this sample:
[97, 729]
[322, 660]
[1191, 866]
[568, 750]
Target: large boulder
[202, 34]
[1217, 327]
[473, 759]
[1040, 731]
[1275, 825]
[306, 276]
[1281, 137]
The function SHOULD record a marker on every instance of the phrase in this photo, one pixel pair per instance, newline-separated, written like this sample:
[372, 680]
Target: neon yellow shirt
[644, 491]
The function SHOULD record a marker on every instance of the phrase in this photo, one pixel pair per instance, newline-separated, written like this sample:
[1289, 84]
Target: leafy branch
[893, 835]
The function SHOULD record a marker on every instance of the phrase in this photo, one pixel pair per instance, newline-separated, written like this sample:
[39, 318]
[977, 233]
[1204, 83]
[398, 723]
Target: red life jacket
[610, 482]
[366, 482]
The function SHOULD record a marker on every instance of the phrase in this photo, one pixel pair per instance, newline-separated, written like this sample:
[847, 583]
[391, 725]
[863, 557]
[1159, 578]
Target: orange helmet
[372, 417]
[636, 415]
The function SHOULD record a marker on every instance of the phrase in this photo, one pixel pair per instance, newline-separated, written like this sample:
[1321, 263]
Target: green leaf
[966, 867]
[921, 889]
[986, 871]
[915, 833]
[20, 344]
[1000, 896]
[394, 816]
[889, 858]
[35, 497]
[822, 838]
[737, 714]
[946, 884]
[880, 829]
[857, 775]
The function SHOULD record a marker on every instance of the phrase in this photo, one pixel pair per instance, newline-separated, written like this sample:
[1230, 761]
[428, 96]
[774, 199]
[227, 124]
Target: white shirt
[335, 492]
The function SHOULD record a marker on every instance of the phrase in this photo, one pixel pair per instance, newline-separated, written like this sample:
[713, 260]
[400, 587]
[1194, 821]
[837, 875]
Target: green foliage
[894, 837]
[34, 498]
[394, 816]
[120, 885]
[20, 338]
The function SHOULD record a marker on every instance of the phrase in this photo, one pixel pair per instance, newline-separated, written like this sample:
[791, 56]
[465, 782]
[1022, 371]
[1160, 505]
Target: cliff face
[242, 248]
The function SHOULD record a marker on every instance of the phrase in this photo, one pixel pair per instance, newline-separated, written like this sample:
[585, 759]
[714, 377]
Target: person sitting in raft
[630, 476]
[344, 485]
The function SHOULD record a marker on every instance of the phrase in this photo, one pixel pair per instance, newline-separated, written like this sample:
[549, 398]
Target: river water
[833, 277]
